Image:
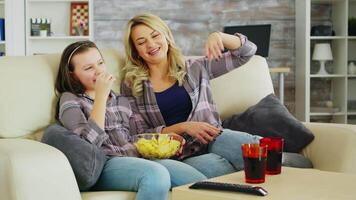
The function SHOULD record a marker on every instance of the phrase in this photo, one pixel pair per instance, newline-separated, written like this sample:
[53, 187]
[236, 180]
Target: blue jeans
[150, 179]
[181, 173]
[224, 154]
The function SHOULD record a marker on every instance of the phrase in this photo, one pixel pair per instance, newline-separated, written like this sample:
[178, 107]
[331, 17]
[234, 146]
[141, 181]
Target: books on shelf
[2, 29]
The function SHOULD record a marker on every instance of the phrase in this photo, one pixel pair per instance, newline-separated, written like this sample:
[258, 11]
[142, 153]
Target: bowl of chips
[158, 146]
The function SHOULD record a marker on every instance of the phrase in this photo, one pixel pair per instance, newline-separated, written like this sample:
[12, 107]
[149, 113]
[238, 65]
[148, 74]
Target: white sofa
[31, 170]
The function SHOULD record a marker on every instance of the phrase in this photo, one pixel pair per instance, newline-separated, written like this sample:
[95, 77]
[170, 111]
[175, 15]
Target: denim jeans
[224, 154]
[150, 179]
[181, 173]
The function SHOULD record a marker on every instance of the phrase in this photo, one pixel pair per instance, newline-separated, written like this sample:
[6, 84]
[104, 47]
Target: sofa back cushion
[27, 102]
[242, 88]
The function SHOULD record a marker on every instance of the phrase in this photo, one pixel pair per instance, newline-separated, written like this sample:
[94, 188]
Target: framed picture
[79, 19]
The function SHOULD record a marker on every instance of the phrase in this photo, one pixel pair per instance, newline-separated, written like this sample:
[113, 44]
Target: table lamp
[322, 53]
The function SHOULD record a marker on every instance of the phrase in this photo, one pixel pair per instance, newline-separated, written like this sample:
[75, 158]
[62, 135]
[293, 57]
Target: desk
[281, 71]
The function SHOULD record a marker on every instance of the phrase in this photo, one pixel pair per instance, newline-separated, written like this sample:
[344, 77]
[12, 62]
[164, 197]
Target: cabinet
[58, 12]
[325, 97]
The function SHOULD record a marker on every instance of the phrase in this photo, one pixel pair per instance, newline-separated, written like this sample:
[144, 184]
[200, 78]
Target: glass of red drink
[254, 156]
[274, 154]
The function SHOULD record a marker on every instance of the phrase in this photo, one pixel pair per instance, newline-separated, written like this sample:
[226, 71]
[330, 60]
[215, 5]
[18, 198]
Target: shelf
[328, 37]
[327, 76]
[59, 38]
[2, 42]
[60, 23]
[2, 2]
[314, 90]
[351, 113]
[327, 114]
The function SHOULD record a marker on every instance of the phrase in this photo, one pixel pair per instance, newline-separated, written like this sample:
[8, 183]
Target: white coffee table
[292, 184]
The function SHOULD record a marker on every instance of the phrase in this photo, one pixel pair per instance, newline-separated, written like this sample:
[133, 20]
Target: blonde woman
[170, 94]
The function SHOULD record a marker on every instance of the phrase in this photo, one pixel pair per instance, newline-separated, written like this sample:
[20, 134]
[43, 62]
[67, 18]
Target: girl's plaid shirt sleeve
[115, 139]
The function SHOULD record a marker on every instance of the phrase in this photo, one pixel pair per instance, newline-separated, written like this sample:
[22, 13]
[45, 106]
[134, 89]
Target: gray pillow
[86, 159]
[270, 118]
[295, 160]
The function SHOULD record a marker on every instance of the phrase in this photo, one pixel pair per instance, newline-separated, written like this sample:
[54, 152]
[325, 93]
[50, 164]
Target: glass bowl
[157, 146]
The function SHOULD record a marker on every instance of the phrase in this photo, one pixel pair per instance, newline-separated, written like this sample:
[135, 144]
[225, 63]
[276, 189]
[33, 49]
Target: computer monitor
[258, 34]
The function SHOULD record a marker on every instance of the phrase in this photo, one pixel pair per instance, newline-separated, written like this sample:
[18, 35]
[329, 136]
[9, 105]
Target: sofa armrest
[30, 170]
[334, 147]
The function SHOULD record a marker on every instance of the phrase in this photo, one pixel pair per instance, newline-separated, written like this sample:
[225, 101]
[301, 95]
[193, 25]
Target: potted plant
[352, 26]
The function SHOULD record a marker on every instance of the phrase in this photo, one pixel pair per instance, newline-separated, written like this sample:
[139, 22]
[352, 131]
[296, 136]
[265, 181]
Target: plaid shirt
[115, 139]
[197, 83]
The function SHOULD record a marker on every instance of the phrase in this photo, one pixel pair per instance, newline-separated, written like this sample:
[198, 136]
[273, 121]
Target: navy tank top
[174, 104]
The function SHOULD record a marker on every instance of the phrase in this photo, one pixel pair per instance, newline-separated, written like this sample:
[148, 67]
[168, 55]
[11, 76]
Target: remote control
[230, 187]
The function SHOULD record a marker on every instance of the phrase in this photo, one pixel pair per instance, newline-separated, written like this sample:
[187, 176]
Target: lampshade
[322, 51]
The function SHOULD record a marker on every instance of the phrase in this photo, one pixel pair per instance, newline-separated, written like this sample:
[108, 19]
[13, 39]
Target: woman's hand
[103, 84]
[214, 46]
[202, 131]
[216, 43]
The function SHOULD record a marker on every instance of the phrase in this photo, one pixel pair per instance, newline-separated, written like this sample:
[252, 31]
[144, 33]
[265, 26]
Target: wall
[192, 20]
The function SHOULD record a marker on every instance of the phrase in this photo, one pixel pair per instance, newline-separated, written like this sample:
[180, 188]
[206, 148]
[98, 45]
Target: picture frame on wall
[79, 19]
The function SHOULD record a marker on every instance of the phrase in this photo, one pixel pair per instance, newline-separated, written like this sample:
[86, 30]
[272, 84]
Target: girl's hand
[103, 84]
[214, 46]
[202, 131]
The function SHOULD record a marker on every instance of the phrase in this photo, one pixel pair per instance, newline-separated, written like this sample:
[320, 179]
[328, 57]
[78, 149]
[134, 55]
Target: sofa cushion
[270, 118]
[87, 160]
[243, 87]
[109, 195]
[27, 94]
[27, 91]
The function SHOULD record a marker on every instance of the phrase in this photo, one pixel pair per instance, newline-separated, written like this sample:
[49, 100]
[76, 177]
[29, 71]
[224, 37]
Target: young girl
[89, 108]
[174, 95]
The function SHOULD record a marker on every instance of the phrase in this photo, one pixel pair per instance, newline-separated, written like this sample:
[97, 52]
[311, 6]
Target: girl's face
[150, 44]
[87, 66]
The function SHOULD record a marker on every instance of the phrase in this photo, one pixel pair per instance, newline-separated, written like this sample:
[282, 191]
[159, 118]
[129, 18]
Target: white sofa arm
[30, 170]
[334, 147]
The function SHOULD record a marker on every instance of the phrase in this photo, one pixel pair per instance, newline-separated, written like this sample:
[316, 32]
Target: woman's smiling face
[151, 45]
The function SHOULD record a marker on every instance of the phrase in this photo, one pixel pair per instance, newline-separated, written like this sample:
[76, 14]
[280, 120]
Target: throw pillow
[270, 118]
[295, 160]
[86, 160]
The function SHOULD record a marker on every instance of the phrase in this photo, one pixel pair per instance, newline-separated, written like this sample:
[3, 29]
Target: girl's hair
[136, 70]
[65, 81]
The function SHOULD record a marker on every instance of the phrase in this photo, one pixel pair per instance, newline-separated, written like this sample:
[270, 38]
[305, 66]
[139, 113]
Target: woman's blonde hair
[136, 70]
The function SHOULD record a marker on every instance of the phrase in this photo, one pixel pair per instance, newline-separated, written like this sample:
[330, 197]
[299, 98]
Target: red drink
[254, 157]
[274, 154]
